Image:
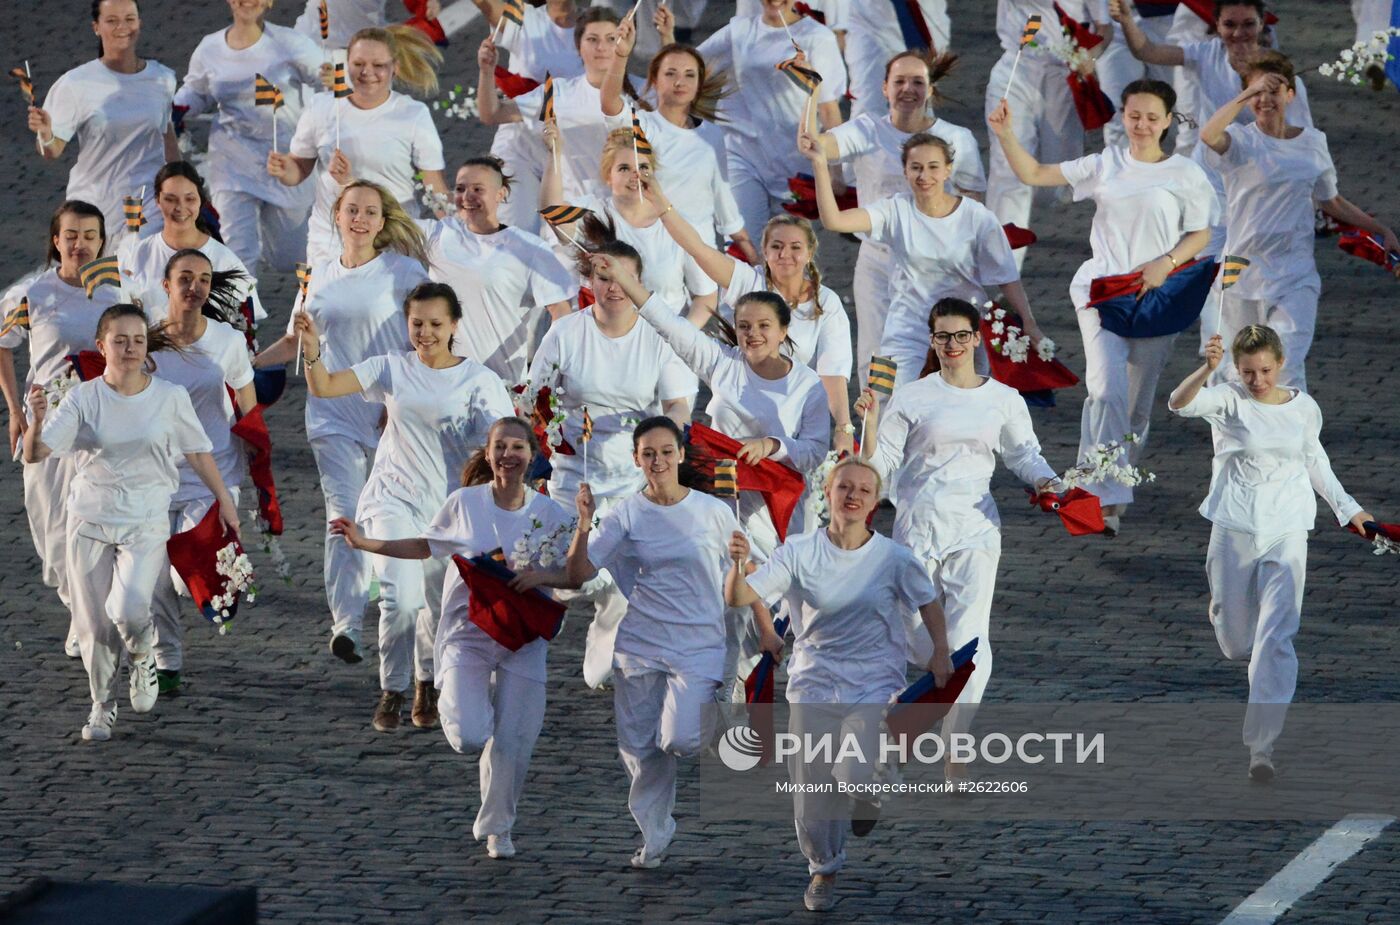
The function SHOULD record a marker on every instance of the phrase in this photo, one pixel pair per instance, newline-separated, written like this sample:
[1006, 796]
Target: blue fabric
[924, 685]
[908, 20]
[1168, 309]
[269, 384]
[1392, 67]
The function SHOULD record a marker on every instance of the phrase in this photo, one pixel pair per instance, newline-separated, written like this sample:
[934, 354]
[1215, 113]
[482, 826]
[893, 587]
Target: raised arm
[1213, 132]
[1191, 386]
[718, 266]
[320, 382]
[1143, 48]
[490, 109]
[697, 350]
[610, 93]
[35, 449]
[848, 221]
[1027, 169]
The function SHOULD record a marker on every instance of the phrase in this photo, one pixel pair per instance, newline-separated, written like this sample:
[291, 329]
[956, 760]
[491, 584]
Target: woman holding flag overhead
[938, 442]
[256, 77]
[492, 694]
[781, 62]
[55, 314]
[855, 591]
[117, 108]
[438, 410]
[665, 545]
[608, 369]
[126, 431]
[356, 301]
[365, 130]
[1153, 213]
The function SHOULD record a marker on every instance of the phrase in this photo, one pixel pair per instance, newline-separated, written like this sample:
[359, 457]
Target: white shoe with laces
[645, 860]
[100, 723]
[72, 649]
[500, 846]
[821, 894]
[145, 687]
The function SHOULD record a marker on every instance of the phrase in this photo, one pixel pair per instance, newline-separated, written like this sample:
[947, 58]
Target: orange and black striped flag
[881, 377]
[19, 318]
[325, 22]
[103, 271]
[804, 77]
[267, 93]
[514, 10]
[303, 279]
[640, 142]
[587, 433]
[1032, 28]
[133, 212]
[1230, 270]
[726, 483]
[340, 84]
[26, 85]
[562, 214]
[547, 105]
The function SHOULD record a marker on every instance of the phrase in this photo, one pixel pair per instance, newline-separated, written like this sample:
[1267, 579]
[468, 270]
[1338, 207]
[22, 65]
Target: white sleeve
[833, 354]
[968, 172]
[238, 369]
[702, 353]
[675, 380]
[1019, 448]
[1211, 403]
[774, 578]
[60, 426]
[376, 381]
[1324, 480]
[544, 367]
[490, 403]
[1084, 175]
[427, 145]
[894, 433]
[1200, 207]
[445, 533]
[306, 139]
[194, 94]
[852, 138]
[806, 447]
[912, 584]
[745, 279]
[717, 50]
[186, 433]
[996, 265]
[608, 538]
[1326, 186]
[529, 104]
[66, 107]
[550, 280]
[729, 221]
[306, 57]
[884, 225]
[697, 281]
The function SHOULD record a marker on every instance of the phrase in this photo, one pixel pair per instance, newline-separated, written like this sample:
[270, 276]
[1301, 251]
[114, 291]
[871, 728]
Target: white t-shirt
[667, 270]
[670, 562]
[621, 381]
[62, 320]
[207, 369]
[850, 632]
[386, 144]
[539, 48]
[938, 447]
[493, 276]
[143, 260]
[1219, 83]
[1268, 462]
[468, 525]
[957, 256]
[583, 131]
[220, 79]
[119, 121]
[346, 18]
[437, 419]
[125, 450]
[1271, 185]
[873, 145]
[761, 115]
[1143, 210]
[823, 340]
[745, 406]
[359, 313]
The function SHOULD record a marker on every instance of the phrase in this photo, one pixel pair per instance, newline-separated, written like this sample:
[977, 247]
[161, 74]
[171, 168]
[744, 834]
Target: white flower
[1347, 55]
[998, 327]
[999, 313]
[1325, 70]
[1046, 349]
[1356, 79]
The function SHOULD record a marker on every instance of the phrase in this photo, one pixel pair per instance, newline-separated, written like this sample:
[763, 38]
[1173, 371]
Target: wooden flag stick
[1014, 65]
[27, 74]
[865, 416]
[585, 457]
[789, 35]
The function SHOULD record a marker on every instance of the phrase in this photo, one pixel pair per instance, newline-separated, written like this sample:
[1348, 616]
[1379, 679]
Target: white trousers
[1116, 68]
[1120, 380]
[759, 197]
[1045, 122]
[823, 819]
[45, 495]
[1292, 314]
[660, 717]
[871, 283]
[965, 580]
[344, 466]
[165, 600]
[1372, 16]
[256, 230]
[523, 155]
[115, 571]
[1256, 602]
[407, 611]
[1186, 27]
[497, 708]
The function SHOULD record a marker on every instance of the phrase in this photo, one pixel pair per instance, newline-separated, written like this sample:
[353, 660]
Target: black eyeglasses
[942, 337]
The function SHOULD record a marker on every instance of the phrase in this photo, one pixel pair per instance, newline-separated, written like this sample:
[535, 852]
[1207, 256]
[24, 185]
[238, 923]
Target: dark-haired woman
[261, 218]
[180, 195]
[492, 698]
[439, 408]
[209, 360]
[938, 442]
[59, 319]
[126, 431]
[356, 300]
[943, 246]
[873, 142]
[606, 360]
[117, 107]
[496, 269]
[666, 546]
[1153, 213]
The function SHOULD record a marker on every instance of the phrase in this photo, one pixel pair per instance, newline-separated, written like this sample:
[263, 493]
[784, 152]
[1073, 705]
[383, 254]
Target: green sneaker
[167, 681]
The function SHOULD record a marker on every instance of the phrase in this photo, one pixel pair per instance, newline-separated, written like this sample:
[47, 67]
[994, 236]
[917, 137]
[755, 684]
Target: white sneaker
[820, 895]
[72, 649]
[100, 723]
[1261, 768]
[500, 846]
[644, 860]
[144, 685]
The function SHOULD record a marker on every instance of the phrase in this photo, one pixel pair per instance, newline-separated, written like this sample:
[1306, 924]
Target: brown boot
[425, 714]
[386, 715]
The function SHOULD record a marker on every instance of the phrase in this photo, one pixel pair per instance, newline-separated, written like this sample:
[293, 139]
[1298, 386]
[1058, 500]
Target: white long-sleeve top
[745, 406]
[938, 447]
[1268, 462]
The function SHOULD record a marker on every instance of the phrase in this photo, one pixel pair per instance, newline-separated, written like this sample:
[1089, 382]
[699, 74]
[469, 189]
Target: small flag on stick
[562, 215]
[104, 271]
[726, 484]
[267, 93]
[340, 83]
[1230, 270]
[133, 212]
[1027, 38]
[513, 11]
[881, 378]
[325, 22]
[303, 284]
[803, 77]
[586, 437]
[17, 318]
[547, 105]
[26, 83]
[640, 143]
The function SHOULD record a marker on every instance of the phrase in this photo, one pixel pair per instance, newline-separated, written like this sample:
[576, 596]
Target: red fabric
[194, 556]
[780, 486]
[539, 417]
[418, 11]
[1080, 511]
[585, 297]
[1111, 287]
[806, 10]
[251, 428]
[1361, 244]
[1094, 107]
[513, 85]
[1017, 236]
[1083, 36]
[1389, 531]
[805, 189]
[512, 618]
[736, 252]
[1034, 375]
[911, 720]
[88, 364]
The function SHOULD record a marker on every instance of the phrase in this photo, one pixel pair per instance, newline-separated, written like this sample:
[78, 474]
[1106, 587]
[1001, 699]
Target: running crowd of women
[561, 292]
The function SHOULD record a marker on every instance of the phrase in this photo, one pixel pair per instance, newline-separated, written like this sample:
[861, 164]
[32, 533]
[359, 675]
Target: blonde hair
[400, 233]
[1256, 338]
[416, 58]
[846, 464]
[812, 271]
[619, 140]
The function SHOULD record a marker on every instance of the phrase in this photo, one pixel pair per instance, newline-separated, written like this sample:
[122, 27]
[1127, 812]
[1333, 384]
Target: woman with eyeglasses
[938, 442]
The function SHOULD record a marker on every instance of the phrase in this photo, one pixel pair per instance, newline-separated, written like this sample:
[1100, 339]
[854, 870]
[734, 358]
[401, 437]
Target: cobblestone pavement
[265, 772]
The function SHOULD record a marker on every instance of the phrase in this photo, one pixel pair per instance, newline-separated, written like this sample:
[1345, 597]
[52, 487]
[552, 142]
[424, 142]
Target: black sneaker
[864, 815]
[168, 682]
[344, 648]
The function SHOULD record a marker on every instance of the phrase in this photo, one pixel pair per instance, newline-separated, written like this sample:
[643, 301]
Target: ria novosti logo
[740, 748]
